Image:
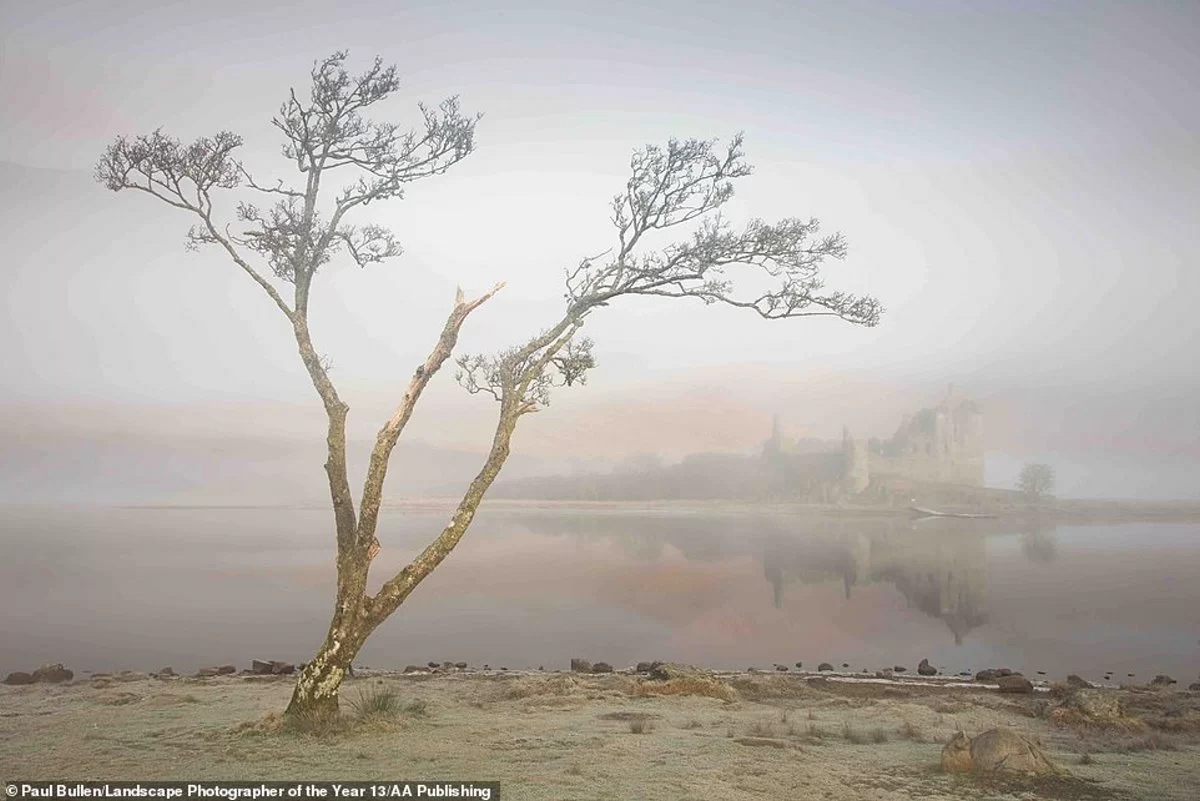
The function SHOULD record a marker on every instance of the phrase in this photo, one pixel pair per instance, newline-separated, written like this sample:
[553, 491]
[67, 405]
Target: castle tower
[773, 447]
[856, 472]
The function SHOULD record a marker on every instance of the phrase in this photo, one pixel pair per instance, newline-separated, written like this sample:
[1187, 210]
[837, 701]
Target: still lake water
[102, 589]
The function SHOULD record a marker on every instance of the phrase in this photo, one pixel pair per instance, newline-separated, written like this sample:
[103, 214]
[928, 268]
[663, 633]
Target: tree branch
[385, 440]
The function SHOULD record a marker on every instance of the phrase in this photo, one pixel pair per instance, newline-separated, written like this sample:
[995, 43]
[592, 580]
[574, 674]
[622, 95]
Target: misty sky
[1019, 183]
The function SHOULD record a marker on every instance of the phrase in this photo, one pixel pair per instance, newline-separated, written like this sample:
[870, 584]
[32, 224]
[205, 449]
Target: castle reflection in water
[942, 575]
[939, 566]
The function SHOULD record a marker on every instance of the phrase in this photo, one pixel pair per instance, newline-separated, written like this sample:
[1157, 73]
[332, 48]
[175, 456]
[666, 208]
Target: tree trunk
[316, 691]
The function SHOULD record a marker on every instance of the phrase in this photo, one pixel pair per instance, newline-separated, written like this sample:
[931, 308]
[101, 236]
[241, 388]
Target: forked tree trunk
[357, 615]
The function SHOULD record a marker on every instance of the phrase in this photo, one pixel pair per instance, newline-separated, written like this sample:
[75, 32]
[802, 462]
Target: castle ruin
[942, 444]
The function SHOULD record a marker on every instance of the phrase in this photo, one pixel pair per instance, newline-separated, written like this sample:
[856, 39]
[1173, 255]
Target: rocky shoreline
[652, 731]
[1003, 679]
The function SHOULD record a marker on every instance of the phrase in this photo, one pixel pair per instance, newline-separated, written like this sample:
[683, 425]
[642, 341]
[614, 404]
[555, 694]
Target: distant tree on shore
[281, 248]
[1036, 481]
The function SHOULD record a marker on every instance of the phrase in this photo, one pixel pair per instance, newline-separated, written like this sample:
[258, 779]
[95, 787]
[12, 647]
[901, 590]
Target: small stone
[415, 669]
[782, 668]
[799, 666]
[226, 670]
[165, 672]
[987, 675]
[899, 669]
[824, 666]
[434, 664]
[926, 669]
[1194, 686]
[260, 667]
[461, 665]
[19, 677]
[845, 664]
[1078, 682]
[602, 667]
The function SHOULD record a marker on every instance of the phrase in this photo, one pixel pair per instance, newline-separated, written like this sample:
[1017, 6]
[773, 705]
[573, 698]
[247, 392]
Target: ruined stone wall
[943, 444]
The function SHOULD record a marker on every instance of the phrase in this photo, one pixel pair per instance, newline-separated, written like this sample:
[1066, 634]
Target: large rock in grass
[1015, 684]
[53, 673]
[672, 670]
[1093, 706]
[926, 669]
[996, 751]
[956, 754]
[1078, 682]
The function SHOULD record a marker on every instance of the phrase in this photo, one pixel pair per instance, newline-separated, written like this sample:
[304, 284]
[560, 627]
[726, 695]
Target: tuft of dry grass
[641, 726]
[1149, 742]
[270, 723]
[170, 699]
[910, 731]
[686, 685]
[375, 703]
[879, 736]
[766, 688]
[556, 685]
[1071, 718]
[118, 699]
[693, 724]
[852, 735]
[761, 728]
[315, 724]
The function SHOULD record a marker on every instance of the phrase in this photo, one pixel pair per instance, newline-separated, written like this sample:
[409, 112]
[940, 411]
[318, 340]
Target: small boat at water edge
[923, 512]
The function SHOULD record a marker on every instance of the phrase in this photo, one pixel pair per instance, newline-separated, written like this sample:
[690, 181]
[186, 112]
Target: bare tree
[684, 182]
[1036, 481]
